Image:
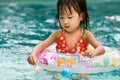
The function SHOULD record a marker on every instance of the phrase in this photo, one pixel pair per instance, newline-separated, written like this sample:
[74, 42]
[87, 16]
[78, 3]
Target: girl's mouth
[66, 26]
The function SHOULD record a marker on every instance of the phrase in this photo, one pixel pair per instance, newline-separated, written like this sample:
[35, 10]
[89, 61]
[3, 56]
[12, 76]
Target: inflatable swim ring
[58, 61]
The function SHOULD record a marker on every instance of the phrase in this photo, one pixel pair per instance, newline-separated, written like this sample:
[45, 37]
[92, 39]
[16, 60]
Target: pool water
[24, 26]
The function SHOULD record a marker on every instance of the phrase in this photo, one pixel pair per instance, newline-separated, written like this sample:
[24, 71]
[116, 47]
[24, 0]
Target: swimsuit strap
[81, 32]
[63, 31]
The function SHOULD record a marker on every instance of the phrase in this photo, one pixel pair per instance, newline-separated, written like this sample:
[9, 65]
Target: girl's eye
[70, 17]
[61, 17]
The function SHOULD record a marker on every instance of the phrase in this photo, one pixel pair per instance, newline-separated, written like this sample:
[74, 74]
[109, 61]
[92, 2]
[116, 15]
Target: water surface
[24, 26]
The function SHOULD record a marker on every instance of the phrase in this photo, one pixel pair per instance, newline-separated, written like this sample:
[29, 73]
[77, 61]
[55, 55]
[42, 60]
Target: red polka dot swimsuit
[62, 46]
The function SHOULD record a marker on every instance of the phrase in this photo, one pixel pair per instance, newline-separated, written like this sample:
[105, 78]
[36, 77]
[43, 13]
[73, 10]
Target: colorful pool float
[59, 61]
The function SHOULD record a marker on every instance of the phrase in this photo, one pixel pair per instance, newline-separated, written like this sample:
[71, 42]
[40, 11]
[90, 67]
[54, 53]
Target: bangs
[65, 6]
[64, 9]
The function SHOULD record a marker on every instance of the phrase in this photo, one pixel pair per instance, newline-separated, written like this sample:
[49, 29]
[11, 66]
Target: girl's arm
[99, 49]
[46, 43]
[51, 39]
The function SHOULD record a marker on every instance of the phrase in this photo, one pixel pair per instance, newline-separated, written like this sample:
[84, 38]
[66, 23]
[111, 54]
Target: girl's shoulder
[58, 32]
[87, 33]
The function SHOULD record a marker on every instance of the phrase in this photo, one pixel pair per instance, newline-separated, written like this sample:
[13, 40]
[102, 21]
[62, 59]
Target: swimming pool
[22, 26]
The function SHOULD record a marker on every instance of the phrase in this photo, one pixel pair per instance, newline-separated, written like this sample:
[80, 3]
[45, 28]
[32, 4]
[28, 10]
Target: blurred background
[25, 23]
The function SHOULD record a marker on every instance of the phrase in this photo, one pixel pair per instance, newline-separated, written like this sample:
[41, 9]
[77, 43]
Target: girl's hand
[32, 59]
[89, 53]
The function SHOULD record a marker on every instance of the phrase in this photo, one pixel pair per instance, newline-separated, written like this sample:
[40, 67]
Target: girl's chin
[68, 31]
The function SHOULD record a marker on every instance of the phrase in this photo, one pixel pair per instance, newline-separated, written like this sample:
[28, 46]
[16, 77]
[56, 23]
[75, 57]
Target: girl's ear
[82, 16]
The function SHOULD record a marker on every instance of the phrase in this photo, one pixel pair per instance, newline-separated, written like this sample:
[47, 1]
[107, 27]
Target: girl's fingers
[93, 55]
[87, 52]
[90, 54]
[31, 60]
[34, 60]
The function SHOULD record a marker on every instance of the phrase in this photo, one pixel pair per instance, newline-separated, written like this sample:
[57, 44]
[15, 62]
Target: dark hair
[79, 6]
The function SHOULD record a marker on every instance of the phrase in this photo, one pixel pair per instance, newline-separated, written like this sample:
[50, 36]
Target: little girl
[73, 37]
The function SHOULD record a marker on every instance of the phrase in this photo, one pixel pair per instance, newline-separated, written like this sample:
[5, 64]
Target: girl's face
[70, 21]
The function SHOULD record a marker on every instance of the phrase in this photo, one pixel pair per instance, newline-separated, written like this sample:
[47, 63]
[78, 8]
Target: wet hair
[79, 6]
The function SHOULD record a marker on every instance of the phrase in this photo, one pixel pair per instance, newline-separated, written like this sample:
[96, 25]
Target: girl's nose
[65, 21]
